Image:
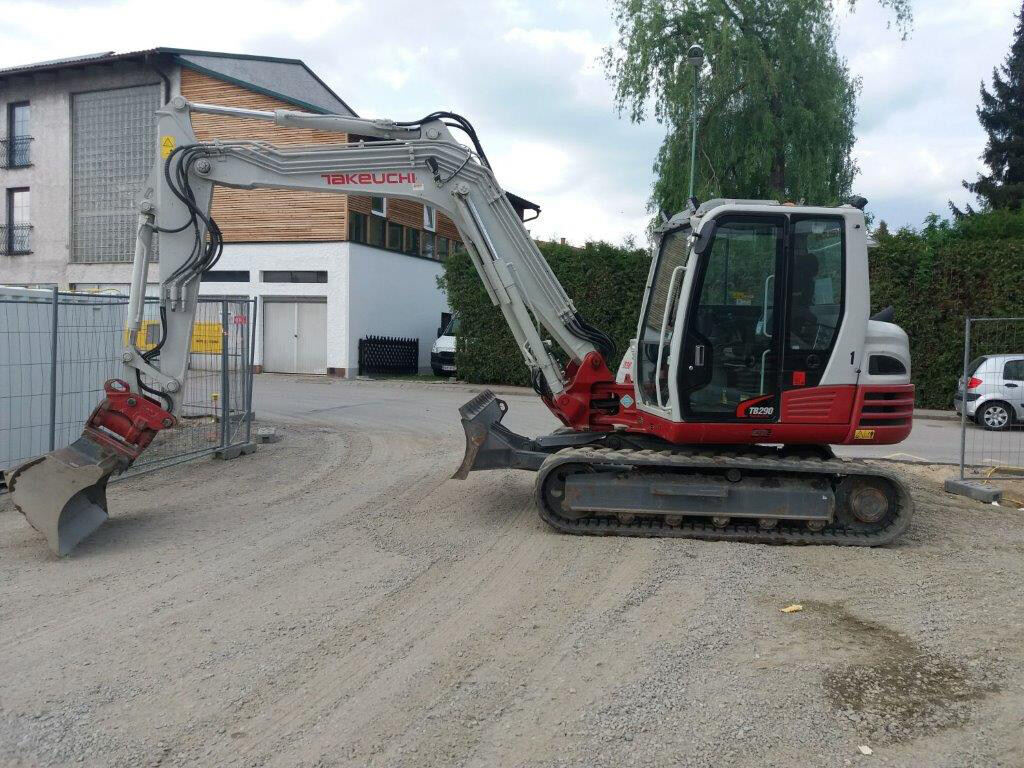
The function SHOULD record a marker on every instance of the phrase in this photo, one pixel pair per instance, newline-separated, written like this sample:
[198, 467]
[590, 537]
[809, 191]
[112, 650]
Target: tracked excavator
[754, 350]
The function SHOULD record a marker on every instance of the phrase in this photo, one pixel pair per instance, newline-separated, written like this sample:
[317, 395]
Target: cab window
[816, 284]
[671, 259]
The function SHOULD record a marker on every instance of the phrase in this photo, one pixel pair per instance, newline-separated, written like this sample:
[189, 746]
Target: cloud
[918, 134]
[526, 73]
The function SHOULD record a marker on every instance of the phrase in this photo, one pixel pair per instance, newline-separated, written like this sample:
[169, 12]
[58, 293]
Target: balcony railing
[16, 152]
[16, 240]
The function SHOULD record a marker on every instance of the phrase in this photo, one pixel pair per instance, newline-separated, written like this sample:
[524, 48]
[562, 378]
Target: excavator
[755, 349]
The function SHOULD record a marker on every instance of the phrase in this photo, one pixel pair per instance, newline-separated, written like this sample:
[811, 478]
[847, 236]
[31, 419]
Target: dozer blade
[63, 494]
[489, 445]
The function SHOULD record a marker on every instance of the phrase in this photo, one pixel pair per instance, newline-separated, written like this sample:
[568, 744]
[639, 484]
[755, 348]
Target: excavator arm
[420, 162]
[63, 494]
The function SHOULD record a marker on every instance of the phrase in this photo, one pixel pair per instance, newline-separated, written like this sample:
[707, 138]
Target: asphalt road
[302, 398]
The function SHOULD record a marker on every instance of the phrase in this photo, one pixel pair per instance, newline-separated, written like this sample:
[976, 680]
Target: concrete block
[267, 435]
[234, 451]
[973, 489]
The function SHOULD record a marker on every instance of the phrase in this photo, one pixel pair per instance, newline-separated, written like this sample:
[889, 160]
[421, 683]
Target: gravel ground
[335, 600]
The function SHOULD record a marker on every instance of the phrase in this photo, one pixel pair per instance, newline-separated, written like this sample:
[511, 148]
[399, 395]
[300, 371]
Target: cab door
[815, 297]
[731, 348]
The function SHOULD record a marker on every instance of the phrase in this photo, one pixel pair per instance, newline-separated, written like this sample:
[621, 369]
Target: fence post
[53, 367]
[225, 380]
[250, 355]
[963, 394]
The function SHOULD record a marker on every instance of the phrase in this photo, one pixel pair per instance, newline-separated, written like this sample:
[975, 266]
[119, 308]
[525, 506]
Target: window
[429, 249]
[1014, 370]
[379, 206]
[19, 228]
[395, 236]
[357, 227]
[412, 241]
[113, 145]
[301, 276]
[18, 135]
[816, 284]
[442, 248]
[885, 365]
[672, 257]
[226, 276]
[975, 364]
[376, 227]
[429, 218]
[729, 353]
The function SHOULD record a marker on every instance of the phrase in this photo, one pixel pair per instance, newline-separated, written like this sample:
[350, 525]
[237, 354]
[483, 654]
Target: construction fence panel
[57, 350]
[992, 384]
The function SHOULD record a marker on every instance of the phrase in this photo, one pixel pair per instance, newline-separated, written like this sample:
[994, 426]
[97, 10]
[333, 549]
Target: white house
[325, 269]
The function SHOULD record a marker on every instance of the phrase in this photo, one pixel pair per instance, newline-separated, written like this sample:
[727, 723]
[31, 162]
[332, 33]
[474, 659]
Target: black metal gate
[388, 355]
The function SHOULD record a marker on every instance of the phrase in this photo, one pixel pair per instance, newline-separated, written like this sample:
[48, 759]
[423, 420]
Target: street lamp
[695, 57]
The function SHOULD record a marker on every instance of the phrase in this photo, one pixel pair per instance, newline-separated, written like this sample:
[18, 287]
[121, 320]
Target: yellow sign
[864, 434]
[207, 338]
[166, 146]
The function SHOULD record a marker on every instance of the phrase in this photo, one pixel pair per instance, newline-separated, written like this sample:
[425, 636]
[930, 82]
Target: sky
[527, 74]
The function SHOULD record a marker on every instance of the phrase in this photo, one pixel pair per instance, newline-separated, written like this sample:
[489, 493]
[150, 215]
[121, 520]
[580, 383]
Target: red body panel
[838, 415]
[818, 405]
[126, 421]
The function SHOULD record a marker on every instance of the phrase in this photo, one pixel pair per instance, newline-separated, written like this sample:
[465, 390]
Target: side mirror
[439, 332]
[704, 238]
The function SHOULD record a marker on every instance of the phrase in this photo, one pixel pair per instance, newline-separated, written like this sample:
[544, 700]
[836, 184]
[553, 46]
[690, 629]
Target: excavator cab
[746, 303]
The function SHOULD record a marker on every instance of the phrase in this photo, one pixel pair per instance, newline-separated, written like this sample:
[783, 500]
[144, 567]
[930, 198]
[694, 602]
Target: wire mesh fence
[57, 350]
[990, 398]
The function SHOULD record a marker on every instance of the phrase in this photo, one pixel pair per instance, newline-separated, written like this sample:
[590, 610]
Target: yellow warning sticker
[166, 146]
[864, 434]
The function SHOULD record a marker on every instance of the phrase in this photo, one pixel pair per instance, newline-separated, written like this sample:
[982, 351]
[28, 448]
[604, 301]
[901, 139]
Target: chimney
[562, 240]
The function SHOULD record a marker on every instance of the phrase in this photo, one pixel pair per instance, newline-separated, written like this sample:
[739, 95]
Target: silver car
[995, 391]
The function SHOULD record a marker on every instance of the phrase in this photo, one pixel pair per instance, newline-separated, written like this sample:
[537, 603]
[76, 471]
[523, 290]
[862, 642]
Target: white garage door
[295, 336]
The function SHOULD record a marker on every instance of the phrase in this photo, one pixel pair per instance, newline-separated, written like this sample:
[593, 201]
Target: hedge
[933, 278]
[936, 278]
[605, 282]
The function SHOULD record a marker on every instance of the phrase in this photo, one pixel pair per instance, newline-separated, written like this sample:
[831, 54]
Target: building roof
[289, 80]
[522, 205]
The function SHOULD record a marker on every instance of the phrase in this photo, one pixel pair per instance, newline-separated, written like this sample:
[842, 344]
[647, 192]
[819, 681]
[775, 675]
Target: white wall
[391, 294]
[259, 257]
[48, 176]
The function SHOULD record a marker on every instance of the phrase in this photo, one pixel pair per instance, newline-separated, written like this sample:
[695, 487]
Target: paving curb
[927, 413]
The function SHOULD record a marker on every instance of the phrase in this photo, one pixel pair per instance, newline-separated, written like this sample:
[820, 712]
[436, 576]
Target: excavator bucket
[489, 444]
[63, 495]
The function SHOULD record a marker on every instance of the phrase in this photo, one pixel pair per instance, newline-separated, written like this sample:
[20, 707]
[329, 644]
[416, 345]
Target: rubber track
[718, 461]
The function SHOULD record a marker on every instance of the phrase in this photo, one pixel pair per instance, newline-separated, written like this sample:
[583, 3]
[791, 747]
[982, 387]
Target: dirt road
[335, 599]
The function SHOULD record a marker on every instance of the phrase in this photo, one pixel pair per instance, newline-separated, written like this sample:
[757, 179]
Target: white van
[442, 354]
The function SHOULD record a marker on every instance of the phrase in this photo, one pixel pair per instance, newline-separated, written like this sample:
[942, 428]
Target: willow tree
[776, 102]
